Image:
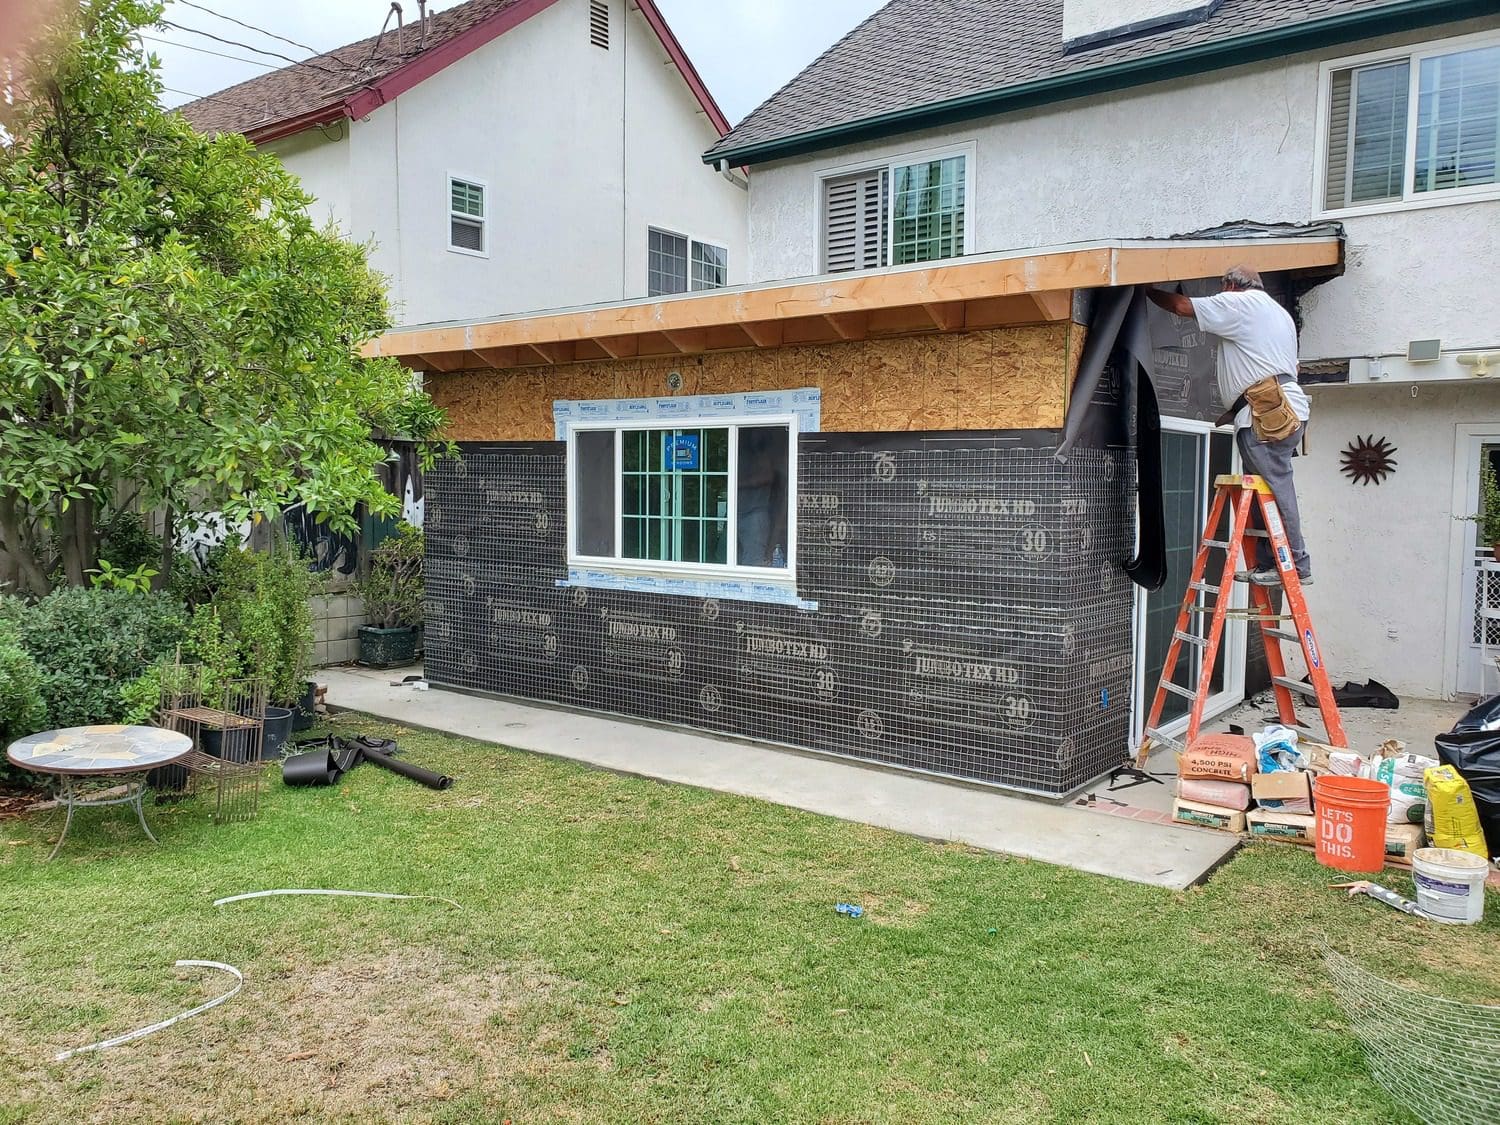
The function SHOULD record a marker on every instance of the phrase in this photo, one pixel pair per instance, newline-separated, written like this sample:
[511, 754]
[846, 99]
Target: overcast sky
[745, 49]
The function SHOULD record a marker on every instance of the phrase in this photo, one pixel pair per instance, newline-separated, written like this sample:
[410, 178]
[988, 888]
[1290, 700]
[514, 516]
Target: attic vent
[599, 23]
[1094, 23]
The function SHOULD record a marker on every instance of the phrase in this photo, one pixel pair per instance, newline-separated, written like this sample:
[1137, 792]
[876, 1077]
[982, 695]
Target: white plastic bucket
[1450, 884]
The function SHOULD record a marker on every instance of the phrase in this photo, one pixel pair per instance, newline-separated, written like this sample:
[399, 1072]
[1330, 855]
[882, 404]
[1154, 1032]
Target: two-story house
[507, 155]
[859, 504]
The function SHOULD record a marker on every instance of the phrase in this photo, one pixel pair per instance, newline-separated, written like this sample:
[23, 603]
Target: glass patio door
[1192, 455]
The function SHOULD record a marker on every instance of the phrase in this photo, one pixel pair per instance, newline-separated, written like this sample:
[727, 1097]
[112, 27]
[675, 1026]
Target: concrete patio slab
[1142, 852]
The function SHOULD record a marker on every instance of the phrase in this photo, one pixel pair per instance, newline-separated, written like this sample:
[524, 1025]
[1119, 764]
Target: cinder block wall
[336, 619]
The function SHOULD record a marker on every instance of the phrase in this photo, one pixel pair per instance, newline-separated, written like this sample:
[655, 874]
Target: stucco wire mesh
[1439, 1058]
[972, 616]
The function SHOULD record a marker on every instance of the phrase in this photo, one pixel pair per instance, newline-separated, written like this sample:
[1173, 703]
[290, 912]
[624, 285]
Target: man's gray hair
[1243, 277]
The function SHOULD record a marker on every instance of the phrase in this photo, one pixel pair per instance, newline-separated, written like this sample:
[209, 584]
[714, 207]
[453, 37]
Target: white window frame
[483, 220]
[1410, 200]
[969, 150]
[780, 576]
[692, 240]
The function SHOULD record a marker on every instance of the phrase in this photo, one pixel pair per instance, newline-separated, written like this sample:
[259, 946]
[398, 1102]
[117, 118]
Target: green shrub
[88, 644]
[392, 594]
[21, 709]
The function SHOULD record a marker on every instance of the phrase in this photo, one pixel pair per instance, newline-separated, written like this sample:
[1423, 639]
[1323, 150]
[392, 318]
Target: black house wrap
[972, 618]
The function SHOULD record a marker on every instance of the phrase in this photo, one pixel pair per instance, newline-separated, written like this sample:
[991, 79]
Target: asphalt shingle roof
[292, 91]
[914, 53]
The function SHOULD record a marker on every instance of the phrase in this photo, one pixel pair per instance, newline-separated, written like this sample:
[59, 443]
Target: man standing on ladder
[1257, 346]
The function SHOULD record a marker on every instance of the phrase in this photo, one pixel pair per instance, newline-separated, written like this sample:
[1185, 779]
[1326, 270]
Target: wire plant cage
[226, 721]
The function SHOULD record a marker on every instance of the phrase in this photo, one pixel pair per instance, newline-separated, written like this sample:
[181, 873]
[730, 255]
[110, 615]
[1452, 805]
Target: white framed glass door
[1479, 618]
[1193, 454]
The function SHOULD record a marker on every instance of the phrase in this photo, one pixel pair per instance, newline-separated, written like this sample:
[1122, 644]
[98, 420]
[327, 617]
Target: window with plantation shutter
[1407, 128]
[855, 215]
[466, 216]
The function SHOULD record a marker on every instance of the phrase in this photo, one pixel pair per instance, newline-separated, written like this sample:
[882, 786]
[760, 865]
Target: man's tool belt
[1271, 415]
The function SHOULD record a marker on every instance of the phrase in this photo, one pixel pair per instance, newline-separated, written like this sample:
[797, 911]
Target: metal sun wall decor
[1369, 460]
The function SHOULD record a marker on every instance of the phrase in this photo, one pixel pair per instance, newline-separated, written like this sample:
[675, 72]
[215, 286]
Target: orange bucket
[1351, 822]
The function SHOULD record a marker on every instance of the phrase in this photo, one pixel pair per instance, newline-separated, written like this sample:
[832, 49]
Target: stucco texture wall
[1172, 158]
[1014, 378]
[1381, 553]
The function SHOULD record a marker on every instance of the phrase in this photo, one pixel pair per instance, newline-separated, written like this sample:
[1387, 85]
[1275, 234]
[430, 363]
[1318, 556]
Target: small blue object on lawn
[850, 909]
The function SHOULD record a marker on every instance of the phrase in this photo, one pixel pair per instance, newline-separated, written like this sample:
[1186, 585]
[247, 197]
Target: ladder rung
[1156, 736]
[1282, 635]
[1175, 689]
[1255, 531]
[1203, 587]
[1216, 543]
[1295, 685]
[1188, 638]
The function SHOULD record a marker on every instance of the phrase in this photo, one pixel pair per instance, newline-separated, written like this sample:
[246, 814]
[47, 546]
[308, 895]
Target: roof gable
[356, 79]
[918, 63]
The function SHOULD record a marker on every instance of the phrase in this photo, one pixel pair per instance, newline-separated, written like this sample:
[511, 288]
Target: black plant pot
[387, 648]
[305, 714]
[278, 731]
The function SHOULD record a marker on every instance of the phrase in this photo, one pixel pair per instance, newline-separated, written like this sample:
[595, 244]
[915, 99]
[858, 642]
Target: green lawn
[629, 951]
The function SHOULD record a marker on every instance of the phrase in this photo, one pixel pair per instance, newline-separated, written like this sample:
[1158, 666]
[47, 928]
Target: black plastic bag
[1475, 753]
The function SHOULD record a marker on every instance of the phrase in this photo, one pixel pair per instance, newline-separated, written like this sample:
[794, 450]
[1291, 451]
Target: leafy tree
[175, 333]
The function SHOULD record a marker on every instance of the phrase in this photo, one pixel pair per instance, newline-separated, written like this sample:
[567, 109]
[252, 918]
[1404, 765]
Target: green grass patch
[631, 951]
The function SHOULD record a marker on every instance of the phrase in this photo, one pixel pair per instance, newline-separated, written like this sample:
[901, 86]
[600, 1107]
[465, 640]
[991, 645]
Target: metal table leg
[70, 799]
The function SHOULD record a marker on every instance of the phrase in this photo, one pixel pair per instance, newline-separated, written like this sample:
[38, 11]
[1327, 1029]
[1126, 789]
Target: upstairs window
[676, 263]
[1419, 126]
[709, 496]
[466, 217]
[899, 214]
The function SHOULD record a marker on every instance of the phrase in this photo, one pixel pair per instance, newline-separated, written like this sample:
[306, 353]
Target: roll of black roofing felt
[328, 759]
[407, 769]
[315, 767]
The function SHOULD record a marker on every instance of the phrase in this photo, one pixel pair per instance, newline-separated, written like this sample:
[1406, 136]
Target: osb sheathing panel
[1002, 379]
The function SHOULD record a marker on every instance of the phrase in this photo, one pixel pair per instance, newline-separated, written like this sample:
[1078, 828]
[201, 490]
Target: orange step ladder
[1237, 496]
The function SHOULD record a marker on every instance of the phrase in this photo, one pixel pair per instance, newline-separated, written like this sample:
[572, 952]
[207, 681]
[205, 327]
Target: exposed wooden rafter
[982, 291]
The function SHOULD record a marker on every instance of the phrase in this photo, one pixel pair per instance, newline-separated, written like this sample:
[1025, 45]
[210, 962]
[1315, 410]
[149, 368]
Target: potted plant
[1488, 516]
[392, 596]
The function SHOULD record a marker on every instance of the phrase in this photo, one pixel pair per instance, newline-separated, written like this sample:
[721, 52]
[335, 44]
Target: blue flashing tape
[728, 589]
[806, 403]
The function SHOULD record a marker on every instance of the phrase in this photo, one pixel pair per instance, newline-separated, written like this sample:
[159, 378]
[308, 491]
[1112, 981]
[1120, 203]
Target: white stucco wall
[580, 150]
[1176, 157]
[1382, 554]
[668, 185]
[320, 159]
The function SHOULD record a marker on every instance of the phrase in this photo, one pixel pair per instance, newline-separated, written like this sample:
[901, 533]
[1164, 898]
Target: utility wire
[206, 51]
[258, 50]
[248, 26]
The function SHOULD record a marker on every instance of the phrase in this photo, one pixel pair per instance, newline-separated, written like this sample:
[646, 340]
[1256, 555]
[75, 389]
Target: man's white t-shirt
[1256, 338]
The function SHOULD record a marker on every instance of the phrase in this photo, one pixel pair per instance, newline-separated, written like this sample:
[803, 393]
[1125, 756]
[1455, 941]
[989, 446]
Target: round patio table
[121, 754]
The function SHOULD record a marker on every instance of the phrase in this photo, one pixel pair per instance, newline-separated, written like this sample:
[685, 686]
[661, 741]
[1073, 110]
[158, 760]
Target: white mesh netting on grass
[1439, 1058]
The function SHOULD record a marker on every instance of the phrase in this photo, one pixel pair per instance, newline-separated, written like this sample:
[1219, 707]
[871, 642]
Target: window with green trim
[903, 212]
[466, 216]
[685, 497]
[927, 211]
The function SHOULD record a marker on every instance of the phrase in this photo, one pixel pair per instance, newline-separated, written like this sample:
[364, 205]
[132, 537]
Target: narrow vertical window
[466, 217]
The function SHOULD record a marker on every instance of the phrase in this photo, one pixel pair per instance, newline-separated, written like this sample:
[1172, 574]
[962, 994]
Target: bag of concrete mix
[1225, 794]
[1453, 820]
[1218, 757]
[1405, 774]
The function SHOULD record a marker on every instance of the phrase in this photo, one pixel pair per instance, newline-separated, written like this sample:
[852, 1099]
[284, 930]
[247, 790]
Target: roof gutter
[1200, 58]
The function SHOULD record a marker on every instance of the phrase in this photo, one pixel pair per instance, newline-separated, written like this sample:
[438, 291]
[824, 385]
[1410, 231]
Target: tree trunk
[76, 540]
[30, 575]
[168, 547]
